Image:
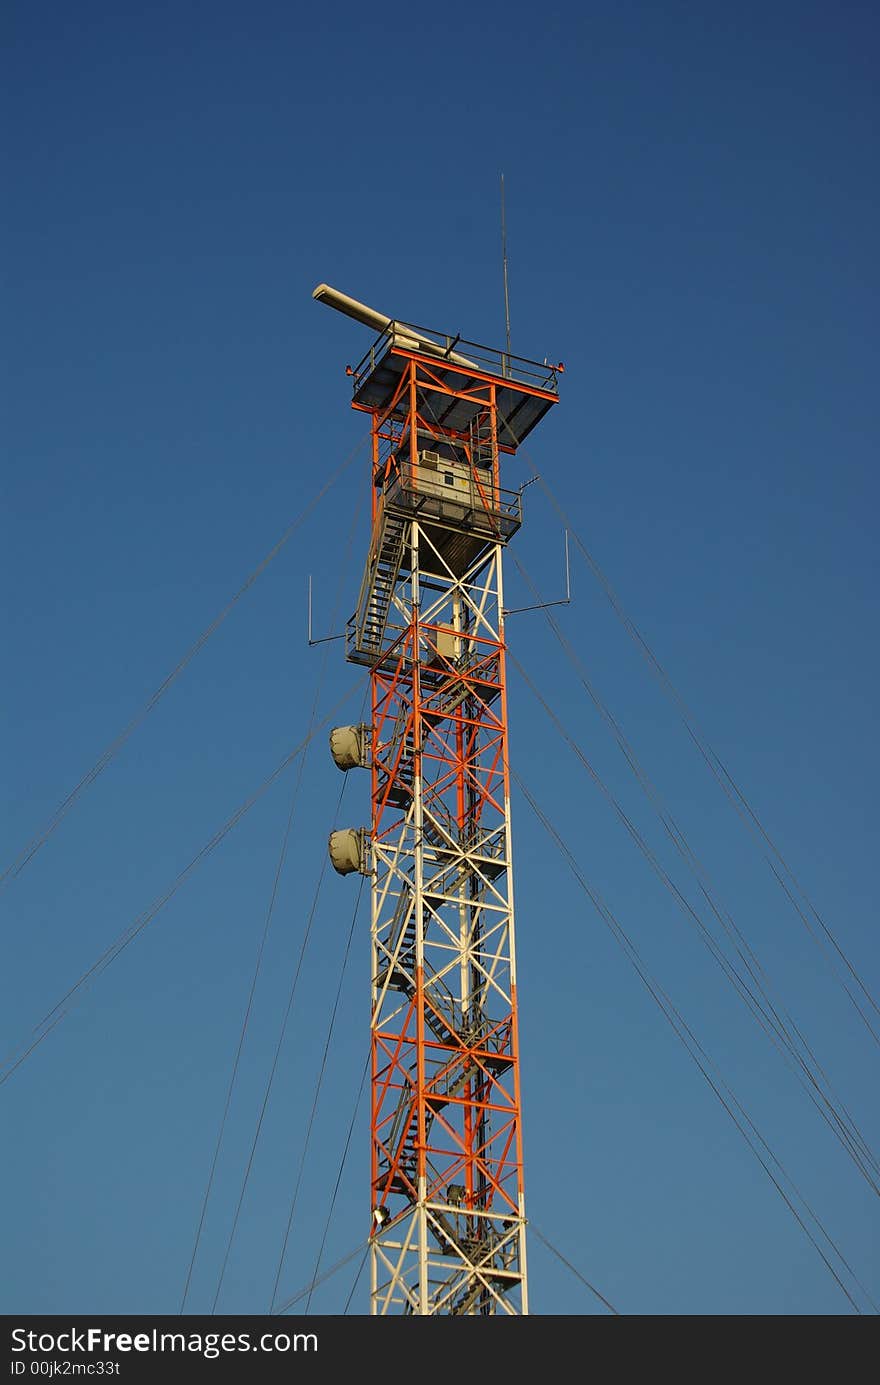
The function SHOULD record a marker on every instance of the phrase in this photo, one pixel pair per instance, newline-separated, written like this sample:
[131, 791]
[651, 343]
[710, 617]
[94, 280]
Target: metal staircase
[398, 1170]
[367, 627]
[396, 764]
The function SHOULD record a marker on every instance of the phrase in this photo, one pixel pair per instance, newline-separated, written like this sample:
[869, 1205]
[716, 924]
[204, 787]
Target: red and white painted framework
[447, 1199]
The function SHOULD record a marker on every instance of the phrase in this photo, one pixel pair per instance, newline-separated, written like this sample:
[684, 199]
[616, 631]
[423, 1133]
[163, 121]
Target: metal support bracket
[543, 605]
[325, 639]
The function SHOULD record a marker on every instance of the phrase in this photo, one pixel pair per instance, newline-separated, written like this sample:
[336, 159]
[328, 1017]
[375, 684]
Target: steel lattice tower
[447, 1201]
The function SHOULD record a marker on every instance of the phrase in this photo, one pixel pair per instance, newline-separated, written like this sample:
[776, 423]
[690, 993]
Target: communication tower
[447, 1202]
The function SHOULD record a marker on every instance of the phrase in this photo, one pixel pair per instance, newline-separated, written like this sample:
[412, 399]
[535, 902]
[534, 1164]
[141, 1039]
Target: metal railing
[454, 350]
[478, 506]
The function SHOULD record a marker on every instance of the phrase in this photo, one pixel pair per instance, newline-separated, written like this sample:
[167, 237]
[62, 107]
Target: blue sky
[692, 219]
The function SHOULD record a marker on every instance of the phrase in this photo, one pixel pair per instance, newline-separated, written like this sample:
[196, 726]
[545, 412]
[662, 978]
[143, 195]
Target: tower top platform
[450, 369]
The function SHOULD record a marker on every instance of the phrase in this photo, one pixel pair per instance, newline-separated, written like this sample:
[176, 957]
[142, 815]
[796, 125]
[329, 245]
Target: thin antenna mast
[504, 262]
